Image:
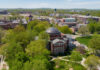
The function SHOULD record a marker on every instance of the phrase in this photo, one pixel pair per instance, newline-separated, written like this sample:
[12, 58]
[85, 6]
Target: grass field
[84, 40]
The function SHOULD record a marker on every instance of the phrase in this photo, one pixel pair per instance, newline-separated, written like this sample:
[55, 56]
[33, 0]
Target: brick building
[70, 22]
[58, 43]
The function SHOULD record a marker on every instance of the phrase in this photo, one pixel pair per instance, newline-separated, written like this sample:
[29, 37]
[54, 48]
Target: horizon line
[53, 8]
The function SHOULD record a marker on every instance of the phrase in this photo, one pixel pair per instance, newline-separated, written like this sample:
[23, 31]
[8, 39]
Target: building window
[59, 44]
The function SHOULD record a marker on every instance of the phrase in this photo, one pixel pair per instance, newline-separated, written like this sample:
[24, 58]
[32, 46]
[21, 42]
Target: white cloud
[82, 4]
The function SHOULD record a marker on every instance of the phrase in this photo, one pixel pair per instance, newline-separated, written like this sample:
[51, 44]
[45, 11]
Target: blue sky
[89, 4]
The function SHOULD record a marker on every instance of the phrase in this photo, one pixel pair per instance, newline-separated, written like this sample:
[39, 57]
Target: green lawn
[84, 40]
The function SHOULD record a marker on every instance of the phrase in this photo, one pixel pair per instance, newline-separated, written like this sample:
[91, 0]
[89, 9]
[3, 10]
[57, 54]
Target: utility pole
[55, 10]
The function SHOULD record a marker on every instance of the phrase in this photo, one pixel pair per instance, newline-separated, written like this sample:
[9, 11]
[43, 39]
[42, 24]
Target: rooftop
[53, 30]
[58, 40]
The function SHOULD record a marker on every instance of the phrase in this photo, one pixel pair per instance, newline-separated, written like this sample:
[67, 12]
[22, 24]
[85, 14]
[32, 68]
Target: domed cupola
[54, 33]
[53, 30]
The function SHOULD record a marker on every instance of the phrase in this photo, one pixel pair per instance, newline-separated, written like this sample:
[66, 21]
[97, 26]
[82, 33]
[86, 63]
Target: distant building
[80, 25]
[3, 12]
[84, 18]
[5, 25]
[30, 17]
[25, 12]
[58, 44]
[44, 19]
[12, 24]
[70, 22]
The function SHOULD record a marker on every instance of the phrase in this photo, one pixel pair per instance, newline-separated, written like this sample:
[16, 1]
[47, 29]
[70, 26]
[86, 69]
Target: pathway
[3, 64]
[62, 58]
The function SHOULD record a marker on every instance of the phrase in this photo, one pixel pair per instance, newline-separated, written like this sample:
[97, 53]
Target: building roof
[30, 15]
[53, 30]
[69, 19]
[58, 40]
[16, 21]
[2, 23]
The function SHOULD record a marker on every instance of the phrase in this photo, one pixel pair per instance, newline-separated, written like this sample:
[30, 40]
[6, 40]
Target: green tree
[32, 24]
[76, 56]
[38, 26]
[92, 62]
[98, 27]
[21, 49]
[28, 66]
[19, 28]
[42, 26]
[94, 26]
[37, 47]
[44, 36]
[77, 66]
[84, 31]
[94, 43]
[2, 33]
[41, 63]
[65, 29]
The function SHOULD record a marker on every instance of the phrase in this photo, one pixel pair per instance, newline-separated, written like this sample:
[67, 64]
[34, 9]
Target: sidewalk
[3, 65]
